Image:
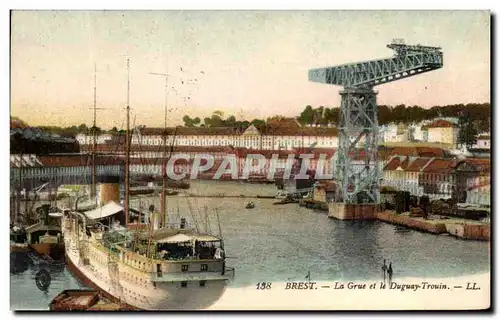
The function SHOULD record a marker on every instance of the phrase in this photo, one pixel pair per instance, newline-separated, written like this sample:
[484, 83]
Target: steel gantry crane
[358, 181]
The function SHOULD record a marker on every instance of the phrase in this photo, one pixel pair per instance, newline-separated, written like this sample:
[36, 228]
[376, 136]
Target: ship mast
[163, 197]
[94, 138]
[127, 147]
[164, 161]
[18, 198]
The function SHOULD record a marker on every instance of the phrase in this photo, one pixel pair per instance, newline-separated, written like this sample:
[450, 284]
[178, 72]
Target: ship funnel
[109, 192]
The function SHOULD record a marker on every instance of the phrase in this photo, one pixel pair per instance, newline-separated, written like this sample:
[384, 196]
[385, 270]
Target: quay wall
[427, 226]
[460, 230]
[477, 232]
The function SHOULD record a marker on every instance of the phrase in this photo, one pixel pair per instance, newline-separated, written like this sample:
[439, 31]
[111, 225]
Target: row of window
[79, 170]
[185, 267]
[415, 175]
[202, 283]
[220, 139]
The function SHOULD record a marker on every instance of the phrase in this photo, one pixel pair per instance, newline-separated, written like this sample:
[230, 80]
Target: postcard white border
[188, 4]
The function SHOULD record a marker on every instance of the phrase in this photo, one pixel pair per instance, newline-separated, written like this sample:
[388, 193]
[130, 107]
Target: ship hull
[89, 283]
[19, 247]
[54, 250]
[138, 293]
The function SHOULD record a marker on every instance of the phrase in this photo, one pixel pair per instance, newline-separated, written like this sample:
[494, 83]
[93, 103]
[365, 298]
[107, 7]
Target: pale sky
[254, 63]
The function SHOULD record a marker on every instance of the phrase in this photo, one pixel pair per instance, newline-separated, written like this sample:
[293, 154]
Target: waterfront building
[324, 191]
[282, 135]
[29, 140]
[402, 173]
[34, 170]
[442, 131]
[480, 196]
[473, 177]
[83, 138]
[416, 133]
[394, 133]
[437, 177]
[483, 141]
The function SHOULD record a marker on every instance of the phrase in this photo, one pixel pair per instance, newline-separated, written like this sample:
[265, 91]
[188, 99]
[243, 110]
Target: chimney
[109, 192]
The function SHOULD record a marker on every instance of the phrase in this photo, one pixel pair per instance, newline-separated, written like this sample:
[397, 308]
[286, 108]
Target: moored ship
[164, 269]
[142, 265]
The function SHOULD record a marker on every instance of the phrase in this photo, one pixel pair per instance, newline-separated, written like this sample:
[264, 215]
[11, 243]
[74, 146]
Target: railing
[230, 271]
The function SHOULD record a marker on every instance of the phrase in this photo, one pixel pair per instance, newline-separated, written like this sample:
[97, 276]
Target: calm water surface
[285, 242]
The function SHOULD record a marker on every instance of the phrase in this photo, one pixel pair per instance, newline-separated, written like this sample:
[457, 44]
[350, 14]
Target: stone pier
[347, 211]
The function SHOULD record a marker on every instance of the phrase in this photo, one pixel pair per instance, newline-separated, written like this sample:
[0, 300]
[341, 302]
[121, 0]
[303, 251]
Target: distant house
[427, 152]
[278, 134]
[88, 139]
[479, 196]
[403, 173]
[395, 133]
[442, 131]
[483, 142]
[415, 133]
[324, 192]
[437, 177]
[473, 180]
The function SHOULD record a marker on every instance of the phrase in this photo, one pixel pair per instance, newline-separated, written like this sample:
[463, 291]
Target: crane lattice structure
[358, 122]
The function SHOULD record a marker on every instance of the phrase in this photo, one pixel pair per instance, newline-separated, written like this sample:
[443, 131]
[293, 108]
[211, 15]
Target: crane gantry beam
[356, 167]
[371, 73]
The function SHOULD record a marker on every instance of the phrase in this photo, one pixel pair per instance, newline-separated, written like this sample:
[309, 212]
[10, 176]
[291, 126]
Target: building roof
[27, 160]
[480, 164]
[190, 131]
[393, 164]
[109, 209]
[417, 165]
[287, 128]
[440, 166]
[272, 130]
[435, 165]
[440, 123]
[37, 134]
[327, 185]
[284, 122]
[66, 160]
[484, 137]
[418, 152]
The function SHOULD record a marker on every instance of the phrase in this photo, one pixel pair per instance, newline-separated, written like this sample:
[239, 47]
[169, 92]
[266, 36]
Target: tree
[188, 122]
[230, 121]
[467, 134]
[82, 128]
[206, 122]
[307, 116]
[258, 123]
[16, 122]
[215, 120]
[332, 115]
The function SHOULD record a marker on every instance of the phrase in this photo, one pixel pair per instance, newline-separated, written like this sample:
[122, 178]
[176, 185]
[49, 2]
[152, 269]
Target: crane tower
[358, 181]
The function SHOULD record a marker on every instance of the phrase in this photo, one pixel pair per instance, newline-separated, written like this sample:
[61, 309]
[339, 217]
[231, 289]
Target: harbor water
[285, 243]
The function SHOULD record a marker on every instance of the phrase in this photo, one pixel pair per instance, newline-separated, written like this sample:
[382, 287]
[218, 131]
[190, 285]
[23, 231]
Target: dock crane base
[352, 211]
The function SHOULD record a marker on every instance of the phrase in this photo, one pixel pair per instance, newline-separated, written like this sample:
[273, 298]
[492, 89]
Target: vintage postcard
[250, 160]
